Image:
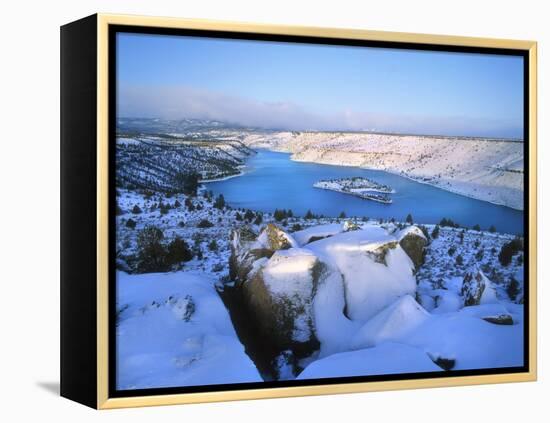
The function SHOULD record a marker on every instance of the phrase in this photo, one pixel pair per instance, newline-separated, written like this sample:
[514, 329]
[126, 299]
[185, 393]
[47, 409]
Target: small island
[358, 186]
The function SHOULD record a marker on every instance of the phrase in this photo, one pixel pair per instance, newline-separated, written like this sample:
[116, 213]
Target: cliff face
[485, 169]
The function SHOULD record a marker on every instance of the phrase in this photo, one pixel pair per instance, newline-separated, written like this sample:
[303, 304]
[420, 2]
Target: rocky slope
[306, 299]
[339, 297]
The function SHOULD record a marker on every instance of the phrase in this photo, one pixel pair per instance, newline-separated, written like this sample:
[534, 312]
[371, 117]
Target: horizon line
[375, 132]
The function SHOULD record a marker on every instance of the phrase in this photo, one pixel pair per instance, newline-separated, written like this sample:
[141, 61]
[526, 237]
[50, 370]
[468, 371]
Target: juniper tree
[220, 202]
[513, 288]
[151, 253]
[479, 255]
[259, 219]
[205, 223]
[249, 215]
[178, 251]
[187, 183]
[279, 215]
[213, 245]
[296, 227]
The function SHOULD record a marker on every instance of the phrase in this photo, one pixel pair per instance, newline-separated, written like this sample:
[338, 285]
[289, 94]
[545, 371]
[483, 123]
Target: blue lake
[273, 181]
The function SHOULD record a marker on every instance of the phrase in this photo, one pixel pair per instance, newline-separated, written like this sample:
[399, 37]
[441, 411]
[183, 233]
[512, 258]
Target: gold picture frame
[102, 22]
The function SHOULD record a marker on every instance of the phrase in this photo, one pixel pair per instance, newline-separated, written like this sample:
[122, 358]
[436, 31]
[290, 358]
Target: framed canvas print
[254, 211]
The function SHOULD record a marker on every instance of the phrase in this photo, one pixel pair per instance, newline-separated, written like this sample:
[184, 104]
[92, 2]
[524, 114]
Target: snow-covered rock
[280, 297]
[468, 340]
[247, 247]
[375, 270]
[348, 225]
[319, 295]
[477, 289]
[391, 324]
[242, 255]
[413, 241]
[316, 233]
[274, 238]
[447, 301]
[500, 319]
[387, 358]
[173, 330]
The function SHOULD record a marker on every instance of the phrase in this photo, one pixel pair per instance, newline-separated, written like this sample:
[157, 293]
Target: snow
[173, 329]
[414, 230]
[447, 301]
[288, 272]
[263, 239]
[392, 323]
[127, 141]
[288, 275]
[369, 286]
[471, 341]
[495, 309]
[318, 231]
[333, 329]
[489, 294]
[387, 358]
[403, 337]
[362, 299]
[158, 347]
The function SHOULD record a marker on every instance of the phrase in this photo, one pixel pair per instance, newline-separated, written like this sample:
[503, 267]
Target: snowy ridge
[488, 170]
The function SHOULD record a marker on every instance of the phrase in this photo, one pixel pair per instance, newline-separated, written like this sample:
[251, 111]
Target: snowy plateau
[211, 294]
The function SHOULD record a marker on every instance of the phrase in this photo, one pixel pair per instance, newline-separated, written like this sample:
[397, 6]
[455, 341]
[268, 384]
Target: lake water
[273, 181]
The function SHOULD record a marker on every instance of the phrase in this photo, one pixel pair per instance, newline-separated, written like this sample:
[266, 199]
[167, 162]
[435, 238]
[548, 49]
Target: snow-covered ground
[173, 330]
[371, 315]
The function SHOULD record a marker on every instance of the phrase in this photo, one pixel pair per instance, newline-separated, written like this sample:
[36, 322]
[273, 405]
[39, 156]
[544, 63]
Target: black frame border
[113, 30]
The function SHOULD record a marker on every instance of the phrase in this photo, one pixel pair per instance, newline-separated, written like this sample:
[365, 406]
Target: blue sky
[304, 86]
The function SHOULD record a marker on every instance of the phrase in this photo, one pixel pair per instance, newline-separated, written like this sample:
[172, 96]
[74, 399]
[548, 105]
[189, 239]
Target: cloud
[177, 102]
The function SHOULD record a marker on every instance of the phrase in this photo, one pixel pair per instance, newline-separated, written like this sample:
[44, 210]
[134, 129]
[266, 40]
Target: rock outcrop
[413, 241]
[248, 247]
[278, 283]
[477, 289]
[500, 319]
[280, 297]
